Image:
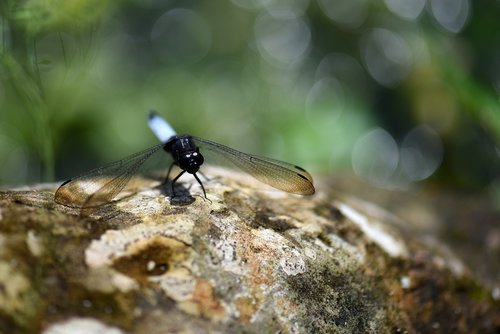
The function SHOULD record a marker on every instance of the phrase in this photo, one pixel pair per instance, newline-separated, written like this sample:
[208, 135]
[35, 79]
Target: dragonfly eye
[191, 161]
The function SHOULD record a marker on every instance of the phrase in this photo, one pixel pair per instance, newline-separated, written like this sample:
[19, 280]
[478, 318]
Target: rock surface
[244, 260]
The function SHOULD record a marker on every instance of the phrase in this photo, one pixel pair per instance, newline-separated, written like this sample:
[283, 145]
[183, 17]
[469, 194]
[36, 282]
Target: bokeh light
[421, 153]
[287, 9]
[387, 56]
[282, 42]
[346, 13]
[407, 9]
[380, 160]
[375, 157]
[451, 15]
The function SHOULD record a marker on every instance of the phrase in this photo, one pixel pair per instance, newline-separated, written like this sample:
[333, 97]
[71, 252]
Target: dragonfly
[102, 185]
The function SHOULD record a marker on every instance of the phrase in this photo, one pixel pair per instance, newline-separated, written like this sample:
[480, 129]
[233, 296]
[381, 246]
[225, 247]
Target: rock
[246, 259]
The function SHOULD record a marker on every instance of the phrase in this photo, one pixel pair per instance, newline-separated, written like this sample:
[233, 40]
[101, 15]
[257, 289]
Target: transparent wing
[278, 174]
[101, 185]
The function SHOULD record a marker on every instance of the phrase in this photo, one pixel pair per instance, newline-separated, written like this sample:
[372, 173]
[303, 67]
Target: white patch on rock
[405, 282]
[310, 253]
[82, 326]
[495, 293]
[386, 241]
[226, 224]
[290, 259]
[293, 263]
[150, 265]
[271, 236]
[225, 250]
[34, 243]
[14, 288]
[123, 282]
[177, 285]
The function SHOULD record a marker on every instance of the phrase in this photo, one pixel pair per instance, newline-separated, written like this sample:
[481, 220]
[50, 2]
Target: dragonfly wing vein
[102, 184]
[278, 174]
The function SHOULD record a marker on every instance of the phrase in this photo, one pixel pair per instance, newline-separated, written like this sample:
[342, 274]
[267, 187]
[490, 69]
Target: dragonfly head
[191, 161]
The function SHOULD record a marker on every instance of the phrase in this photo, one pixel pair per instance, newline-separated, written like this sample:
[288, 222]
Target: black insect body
[103, 184]
[187, 156]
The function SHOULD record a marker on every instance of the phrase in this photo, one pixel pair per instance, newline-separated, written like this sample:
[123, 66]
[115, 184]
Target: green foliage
[35, 63]
[38, 17]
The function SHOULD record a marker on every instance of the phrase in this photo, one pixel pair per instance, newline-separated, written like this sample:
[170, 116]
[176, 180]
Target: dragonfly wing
[278, 174]
[102, 184]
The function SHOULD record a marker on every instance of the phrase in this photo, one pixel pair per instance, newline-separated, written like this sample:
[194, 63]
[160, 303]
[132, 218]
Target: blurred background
[399, 93]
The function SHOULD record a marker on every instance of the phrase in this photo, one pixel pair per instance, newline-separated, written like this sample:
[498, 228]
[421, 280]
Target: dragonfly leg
[173, 182]
[201, 184]
[168, 173]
